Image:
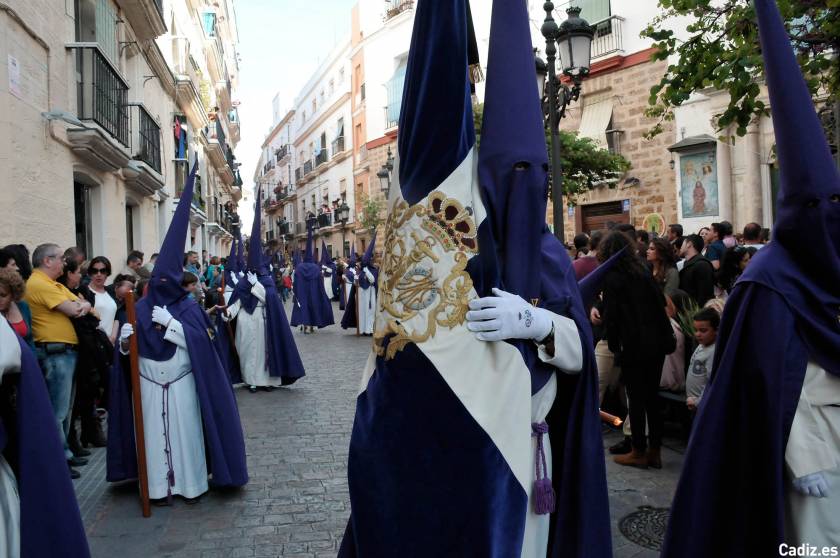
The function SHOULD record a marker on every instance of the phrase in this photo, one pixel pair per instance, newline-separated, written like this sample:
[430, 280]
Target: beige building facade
[87, 119]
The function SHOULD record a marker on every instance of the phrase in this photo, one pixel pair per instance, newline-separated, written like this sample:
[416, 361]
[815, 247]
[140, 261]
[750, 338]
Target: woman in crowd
[21, 256]
[15, 310]
[123, 284]
[99, 269]
[735, 261]
[95, 357]
[660, 255]
[639, 333]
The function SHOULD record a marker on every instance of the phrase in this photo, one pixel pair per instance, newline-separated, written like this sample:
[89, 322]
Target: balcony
[213, 48]
[102, 95]
[324, 220]
[188, 84]
[284, 227]
[298, 174]
[145, 137]
[269, 166]
[145, 17]
[218, 152]
[338, 146]
[307, 167]
[321, 157]
[281, 153]
[396, 7]
[233, 125]
[608, 37]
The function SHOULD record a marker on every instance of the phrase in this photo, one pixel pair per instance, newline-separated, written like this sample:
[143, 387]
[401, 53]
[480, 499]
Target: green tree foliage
[723, 52]
[584, 164]
[372, 209]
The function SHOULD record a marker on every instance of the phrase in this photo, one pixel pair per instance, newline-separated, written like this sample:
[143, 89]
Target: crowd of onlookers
[655, 322]
[69, 310]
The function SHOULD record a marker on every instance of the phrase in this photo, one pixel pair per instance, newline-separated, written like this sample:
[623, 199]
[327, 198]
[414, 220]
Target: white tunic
[9, 499]
[250, 341]
[813, 446]
[568, 357]
[327, 282]
[367, 305]
[182, 420]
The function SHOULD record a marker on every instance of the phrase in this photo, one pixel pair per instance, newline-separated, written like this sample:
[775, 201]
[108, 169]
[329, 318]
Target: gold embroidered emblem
[211, 333]
[412, 283]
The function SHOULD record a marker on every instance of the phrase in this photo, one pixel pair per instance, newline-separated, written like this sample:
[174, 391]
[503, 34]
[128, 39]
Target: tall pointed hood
[240, 255]
[352, 261]
[436, 83]
[367, 258]
[803, 261]
[165, 283]
[308, 256]
[513, 160]
[808, 208]
[256, 262]
[325, 257]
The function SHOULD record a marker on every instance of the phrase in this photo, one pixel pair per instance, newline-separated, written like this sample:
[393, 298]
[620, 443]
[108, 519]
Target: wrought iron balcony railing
[298, 174]
[396, 7]
[338, 146]
[102, 94]
[321, 157]
[145, 137]
[307, 167]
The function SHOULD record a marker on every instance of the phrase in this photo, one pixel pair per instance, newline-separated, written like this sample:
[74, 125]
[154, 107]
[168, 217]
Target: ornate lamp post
[384, 174]
[573, 39]
[343, 214]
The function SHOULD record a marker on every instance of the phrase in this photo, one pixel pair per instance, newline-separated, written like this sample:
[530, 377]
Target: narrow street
[297, 503]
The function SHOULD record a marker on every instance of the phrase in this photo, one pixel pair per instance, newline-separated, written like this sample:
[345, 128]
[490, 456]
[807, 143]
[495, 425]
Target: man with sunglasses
[52, 306]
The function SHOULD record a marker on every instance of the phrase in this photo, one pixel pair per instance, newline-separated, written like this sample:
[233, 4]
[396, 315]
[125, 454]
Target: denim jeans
[59, 370]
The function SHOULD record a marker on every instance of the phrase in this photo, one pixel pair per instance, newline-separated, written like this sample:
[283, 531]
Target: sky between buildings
[281, 42]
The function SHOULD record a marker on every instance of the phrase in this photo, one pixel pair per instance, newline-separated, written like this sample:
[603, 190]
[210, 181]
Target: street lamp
[343, 214]
[384, 173]
[573, 38]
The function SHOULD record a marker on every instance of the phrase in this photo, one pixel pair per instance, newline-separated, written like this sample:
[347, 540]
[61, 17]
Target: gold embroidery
[409, 285]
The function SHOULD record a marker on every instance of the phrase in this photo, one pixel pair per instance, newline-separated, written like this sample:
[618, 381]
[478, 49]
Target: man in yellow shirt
[52, 306]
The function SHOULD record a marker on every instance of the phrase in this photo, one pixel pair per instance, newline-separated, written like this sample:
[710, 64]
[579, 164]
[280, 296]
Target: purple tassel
[543, 496]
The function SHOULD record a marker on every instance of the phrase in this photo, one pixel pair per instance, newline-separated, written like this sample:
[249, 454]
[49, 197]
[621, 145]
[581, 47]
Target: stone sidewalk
[297, 504]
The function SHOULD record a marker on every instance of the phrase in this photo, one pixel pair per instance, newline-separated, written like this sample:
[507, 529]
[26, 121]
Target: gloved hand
[160, 315]
[234, 279]
[126, 331]
[369, 275]
[252, 278]
[507, 316]
[815, 485]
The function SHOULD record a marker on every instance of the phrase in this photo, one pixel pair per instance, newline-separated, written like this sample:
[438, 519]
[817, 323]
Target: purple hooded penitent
[220, 415]
[283, 357]
[781, 315]
[310, 304]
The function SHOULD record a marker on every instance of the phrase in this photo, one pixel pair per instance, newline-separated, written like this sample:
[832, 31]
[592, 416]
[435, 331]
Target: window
[208, 20]
[357, 76]
[340, 76]
[342, 187]
[597, 113]
[314, 106]
[332, 87]
[593, 11]
[129, 227]
[96, 22]
[82, 207]
[322, 96]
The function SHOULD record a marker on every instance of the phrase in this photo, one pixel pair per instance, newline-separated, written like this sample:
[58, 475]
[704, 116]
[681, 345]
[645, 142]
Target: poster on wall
[699, 185]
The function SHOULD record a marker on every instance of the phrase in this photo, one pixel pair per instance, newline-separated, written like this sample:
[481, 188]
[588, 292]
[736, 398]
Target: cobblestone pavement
[296, 503]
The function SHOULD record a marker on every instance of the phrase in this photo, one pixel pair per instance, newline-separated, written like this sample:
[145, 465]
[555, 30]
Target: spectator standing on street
[12, 306]
[697, 277]
[150, 265]
[728, 238]
[20, 254]
[133, 264]
[752, 236]
[716, 248]
[660, 255]
[639, 334]
[586, 264]
[706, 323]
[674, 232]
[52, 306]
[581, 242]
[735, 261]
[191, 263]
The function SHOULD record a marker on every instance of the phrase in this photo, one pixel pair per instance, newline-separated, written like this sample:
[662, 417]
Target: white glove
[126, 331]
[160, 315]
[814, 484]
[507, 316]
[234, 279]
[252, 278]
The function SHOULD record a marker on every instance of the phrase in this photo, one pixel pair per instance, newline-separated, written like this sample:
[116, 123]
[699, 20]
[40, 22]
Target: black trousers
[641, 379]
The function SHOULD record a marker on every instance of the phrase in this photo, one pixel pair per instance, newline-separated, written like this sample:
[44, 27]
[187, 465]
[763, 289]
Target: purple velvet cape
[220, 416]
[283, 356]
[348, 320]
[310, 305]
[50, 522]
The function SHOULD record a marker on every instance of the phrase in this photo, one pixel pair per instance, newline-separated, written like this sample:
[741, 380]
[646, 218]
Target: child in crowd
[706, 323]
